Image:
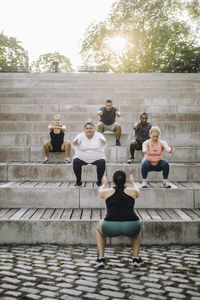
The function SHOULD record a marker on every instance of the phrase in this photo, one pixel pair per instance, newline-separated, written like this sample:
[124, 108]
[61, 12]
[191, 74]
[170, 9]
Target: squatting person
[108, 115]
[121, 218]
[141, 135]
[57, 143]
[153, 161]
[89, 149]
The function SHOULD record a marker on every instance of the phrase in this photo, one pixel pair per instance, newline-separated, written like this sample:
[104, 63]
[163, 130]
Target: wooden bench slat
[3, 211]
[181, 213]
[191, 213]
[87, 213]
[172, 214]
[76, 215]
[154, 215]
[64, 185]
[37, 215]
[96, 215]
[18, 214]
[144, 214]
[103, 213]
[48, 213]
[9, 213]
[163, 214]
[67, 214]
[28, 214]
[57, 214]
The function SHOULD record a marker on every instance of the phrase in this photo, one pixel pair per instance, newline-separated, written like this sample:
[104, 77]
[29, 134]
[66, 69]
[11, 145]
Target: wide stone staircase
[39, 203]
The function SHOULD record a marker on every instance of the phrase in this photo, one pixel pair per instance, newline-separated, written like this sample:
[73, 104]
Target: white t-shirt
[89, 150]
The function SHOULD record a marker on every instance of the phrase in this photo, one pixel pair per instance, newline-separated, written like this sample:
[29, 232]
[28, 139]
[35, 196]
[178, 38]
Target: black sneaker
[101, 262]
[117, 143]
[98, 183]
[78, 183]
[137, 262]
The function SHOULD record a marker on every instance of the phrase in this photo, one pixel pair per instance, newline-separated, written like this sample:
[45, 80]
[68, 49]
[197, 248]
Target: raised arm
[132, 191]
[145, 147]
[167, 147]
[104, 192]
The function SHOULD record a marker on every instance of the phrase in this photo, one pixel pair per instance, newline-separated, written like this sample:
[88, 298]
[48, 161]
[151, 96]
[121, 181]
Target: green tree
[44, 63]
[157, 38]
[12, 53]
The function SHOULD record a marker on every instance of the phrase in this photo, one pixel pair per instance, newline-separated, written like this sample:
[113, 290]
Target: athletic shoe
[117, 143]
[67, 161]
[46, 160]
[166, 185]
[137, 262]
[101, 262]
[98, 183]
[143, 185]
[130, 161]
[78, 183]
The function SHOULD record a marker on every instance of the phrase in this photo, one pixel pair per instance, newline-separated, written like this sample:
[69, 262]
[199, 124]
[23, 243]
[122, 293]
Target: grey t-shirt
[108, 117]
[142, 132]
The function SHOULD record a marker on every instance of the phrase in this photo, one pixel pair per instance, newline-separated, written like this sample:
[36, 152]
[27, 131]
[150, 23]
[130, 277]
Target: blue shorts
[116, 228]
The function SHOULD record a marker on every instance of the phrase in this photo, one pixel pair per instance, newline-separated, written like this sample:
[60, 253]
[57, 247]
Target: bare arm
[100, 112]
[145, 147]
[104, 192]
[132, 191]
[167, 147]
[118, 114]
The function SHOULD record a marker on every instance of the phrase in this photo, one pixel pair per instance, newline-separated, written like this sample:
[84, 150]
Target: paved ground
[63, 272]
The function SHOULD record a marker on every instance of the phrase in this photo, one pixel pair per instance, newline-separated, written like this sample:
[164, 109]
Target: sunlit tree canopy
[146, 36]
[12, 53]
[44, 64]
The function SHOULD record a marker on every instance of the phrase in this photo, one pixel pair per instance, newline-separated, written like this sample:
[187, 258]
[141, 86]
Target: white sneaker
[46, 160]
[166, 185]
[143, 185]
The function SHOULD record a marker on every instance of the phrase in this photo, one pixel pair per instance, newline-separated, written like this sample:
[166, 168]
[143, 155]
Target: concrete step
[82, 116]
[37, 140]
[92, 104]
[113, 154]
[162, 107]
[78, 226]
[60, 172]
[33, 194]
[77, 126]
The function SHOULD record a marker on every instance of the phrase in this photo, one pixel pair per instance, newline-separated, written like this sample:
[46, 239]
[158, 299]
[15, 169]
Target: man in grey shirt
[108, 115]
[141, 135]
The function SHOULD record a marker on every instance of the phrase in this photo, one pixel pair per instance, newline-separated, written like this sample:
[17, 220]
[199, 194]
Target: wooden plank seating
[160, 226]
[39, 203]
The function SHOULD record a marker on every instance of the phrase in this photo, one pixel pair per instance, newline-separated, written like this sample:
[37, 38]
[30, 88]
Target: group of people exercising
[90, 149]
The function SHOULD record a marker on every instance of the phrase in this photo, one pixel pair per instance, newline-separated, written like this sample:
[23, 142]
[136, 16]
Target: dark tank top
[57, 140]
[120, 207]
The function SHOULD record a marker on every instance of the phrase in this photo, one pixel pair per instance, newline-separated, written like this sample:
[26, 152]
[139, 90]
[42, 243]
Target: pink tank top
[154, 156]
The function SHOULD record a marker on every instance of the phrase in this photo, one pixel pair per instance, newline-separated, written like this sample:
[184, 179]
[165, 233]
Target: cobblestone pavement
[64, 272]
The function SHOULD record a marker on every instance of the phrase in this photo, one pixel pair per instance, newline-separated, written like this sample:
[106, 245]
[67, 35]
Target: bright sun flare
[117, 43]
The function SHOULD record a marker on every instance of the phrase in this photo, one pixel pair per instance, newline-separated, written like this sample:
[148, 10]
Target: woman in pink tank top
[153, 160]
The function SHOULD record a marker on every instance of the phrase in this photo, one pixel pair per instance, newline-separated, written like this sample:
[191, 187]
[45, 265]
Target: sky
[45, 26]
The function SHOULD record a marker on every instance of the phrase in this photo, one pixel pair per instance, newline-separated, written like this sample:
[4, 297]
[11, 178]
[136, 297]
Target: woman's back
[120, 207]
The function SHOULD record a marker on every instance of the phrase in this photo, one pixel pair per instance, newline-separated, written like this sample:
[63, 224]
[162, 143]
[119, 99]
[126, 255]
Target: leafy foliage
[44, 63]
[12, 53]
[158, 39]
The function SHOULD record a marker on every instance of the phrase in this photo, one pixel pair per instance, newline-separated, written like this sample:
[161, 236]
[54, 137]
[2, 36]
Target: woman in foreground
[121, 218]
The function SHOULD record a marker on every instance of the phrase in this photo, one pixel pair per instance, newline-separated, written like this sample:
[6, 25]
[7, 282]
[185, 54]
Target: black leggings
[77, 167]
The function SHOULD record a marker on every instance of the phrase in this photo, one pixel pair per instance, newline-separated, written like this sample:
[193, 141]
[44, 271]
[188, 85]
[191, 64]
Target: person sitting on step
[57, 143]
[141, 135]
[108, 115]
[153, 161]
[89, 149]
[120, 218]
